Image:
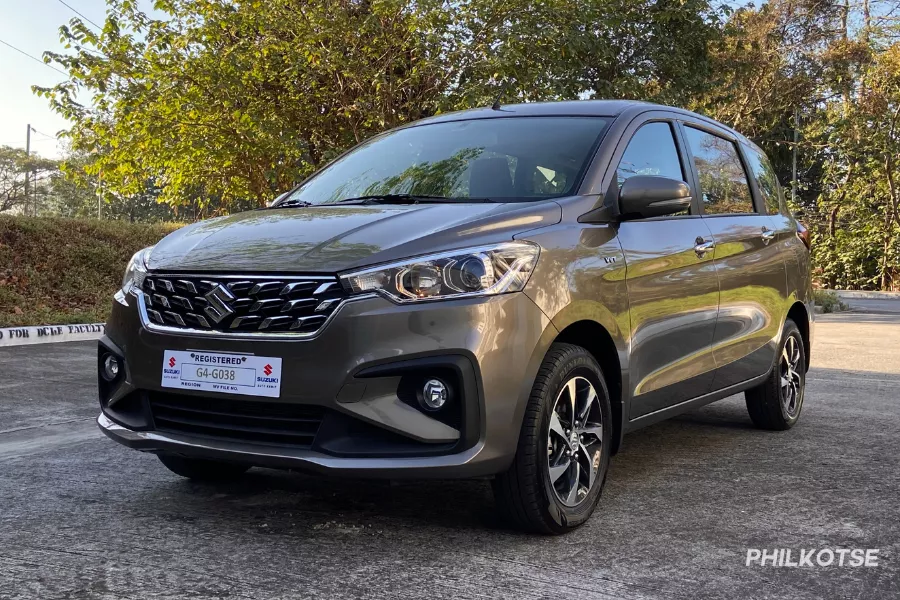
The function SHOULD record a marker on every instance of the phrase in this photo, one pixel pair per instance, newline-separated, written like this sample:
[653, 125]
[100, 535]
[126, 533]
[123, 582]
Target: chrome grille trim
[269, 323]
[325, 304]
[188, 286]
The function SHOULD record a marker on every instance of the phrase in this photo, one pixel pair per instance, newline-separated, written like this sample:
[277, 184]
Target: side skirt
[682, 407]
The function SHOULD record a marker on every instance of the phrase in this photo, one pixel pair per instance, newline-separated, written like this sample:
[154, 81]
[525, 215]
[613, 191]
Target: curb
[864, 295]
[48, 334]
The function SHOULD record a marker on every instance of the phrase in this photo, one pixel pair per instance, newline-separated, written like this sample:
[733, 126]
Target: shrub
[829, 301]
[56, 271]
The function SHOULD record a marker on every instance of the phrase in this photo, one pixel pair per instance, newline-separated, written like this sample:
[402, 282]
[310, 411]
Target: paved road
[873, 306]
[81, 517]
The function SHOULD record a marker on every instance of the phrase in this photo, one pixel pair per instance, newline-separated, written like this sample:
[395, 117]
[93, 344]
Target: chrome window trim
[147, 324]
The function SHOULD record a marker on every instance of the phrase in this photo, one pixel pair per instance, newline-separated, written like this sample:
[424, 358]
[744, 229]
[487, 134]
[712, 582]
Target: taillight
[803, 234]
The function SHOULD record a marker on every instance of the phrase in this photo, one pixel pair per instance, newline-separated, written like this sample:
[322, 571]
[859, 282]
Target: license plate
[219, 372]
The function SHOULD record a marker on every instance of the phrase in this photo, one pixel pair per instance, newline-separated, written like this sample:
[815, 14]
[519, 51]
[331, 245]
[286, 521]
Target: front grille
[242, 420]
[236, 304]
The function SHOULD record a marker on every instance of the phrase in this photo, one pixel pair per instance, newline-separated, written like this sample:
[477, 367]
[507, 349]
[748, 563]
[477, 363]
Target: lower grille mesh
[242, 420]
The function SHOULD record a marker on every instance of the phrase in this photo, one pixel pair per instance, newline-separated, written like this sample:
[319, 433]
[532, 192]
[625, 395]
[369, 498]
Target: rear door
[773, 204]
[750, 267]
[673, 292]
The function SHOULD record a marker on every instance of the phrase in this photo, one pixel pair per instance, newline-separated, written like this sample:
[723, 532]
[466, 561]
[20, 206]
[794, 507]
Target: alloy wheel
[791, 376]
[574, 441]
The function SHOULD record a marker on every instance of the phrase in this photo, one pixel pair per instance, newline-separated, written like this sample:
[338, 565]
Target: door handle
[767, 235]
[703, 246]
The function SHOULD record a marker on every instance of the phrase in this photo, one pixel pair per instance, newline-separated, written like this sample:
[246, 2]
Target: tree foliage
[830, 71]
[75, 193]
[23, 179]
[232, 101]
[213, 106]
[858, 238]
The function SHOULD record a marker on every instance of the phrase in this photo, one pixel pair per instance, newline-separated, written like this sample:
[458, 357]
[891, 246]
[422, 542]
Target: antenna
[496, 104]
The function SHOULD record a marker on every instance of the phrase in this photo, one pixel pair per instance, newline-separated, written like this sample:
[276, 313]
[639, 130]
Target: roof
[569, 108]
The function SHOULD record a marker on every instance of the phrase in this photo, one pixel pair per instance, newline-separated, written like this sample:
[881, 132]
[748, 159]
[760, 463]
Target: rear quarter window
[766, 180]
[724, 187]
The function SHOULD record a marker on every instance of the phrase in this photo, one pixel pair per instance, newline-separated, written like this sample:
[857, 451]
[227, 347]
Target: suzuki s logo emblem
[219, 299]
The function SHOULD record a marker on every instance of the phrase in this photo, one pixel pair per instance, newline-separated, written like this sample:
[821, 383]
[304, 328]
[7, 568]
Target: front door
[750, 266]
[671, 282]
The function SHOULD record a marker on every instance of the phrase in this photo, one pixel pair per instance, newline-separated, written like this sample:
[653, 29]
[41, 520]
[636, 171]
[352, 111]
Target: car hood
[327, 239]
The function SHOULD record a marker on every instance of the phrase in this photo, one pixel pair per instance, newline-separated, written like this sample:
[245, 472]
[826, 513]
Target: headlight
[482, 271]
[136, 270]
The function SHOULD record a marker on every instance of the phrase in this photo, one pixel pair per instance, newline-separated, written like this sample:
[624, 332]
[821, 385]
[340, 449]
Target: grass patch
[58, 271]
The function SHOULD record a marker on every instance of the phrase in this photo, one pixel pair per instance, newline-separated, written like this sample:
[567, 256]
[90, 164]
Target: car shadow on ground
[288, 500]
[711, 436]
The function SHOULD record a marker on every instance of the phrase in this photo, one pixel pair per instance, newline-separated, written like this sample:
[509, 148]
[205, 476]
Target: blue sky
[33, 26]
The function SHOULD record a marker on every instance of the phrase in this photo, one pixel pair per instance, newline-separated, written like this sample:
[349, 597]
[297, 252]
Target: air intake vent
[243, 420]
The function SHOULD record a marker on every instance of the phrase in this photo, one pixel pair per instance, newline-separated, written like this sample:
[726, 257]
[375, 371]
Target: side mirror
[645, 196]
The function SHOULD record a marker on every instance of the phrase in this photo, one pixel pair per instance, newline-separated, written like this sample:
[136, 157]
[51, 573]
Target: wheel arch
[799, 315]
[594, 337]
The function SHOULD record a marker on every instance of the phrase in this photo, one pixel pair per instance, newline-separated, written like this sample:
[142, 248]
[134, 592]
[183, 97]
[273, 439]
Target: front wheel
[776, 403]
[200, 469]
[562, 458]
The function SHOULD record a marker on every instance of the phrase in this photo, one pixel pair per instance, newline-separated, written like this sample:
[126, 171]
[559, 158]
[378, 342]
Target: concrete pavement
[81, 517]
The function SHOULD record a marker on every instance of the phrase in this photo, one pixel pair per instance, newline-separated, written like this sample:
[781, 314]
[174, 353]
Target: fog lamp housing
[435, 394]
[111, 367]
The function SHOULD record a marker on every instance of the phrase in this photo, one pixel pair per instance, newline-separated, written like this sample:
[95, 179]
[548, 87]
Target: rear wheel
[776, 403]
[201, 469]
[562, 459]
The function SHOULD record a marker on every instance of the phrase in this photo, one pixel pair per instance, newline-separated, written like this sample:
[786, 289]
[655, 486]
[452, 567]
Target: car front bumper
[352, 370]
[469, 463]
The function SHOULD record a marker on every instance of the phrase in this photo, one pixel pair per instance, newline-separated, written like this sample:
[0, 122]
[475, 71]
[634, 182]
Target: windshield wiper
[409, 199]
[292, 203]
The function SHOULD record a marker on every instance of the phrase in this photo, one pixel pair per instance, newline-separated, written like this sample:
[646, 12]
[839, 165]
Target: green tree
[858, 240]
[73, 192]
[23, 179]
[232, 101]
[835, 66]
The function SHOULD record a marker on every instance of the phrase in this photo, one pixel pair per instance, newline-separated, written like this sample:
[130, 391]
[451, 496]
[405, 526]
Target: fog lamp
[434, 394]
[110, 367]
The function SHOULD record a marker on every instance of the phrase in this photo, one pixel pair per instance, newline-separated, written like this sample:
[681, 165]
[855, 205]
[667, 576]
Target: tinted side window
[723, 182]
[766, 180]
[651, 151]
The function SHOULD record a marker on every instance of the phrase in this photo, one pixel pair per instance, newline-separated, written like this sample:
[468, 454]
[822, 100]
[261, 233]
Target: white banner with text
[42, 334]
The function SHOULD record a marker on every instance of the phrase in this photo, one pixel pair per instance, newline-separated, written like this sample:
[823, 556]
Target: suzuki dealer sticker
[226, 373]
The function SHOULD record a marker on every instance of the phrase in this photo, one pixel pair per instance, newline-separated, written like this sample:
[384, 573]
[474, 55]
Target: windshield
[503, 159]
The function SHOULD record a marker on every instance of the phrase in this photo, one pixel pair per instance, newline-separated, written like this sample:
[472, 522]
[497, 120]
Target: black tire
[200, 469]
[771, 405]
[525, 495]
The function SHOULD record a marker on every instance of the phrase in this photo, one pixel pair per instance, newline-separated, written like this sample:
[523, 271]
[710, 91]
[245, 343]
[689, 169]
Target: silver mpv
[503, 292]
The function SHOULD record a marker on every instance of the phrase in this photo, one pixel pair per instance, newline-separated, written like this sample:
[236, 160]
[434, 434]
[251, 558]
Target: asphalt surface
[82, 517]
[873, 305]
